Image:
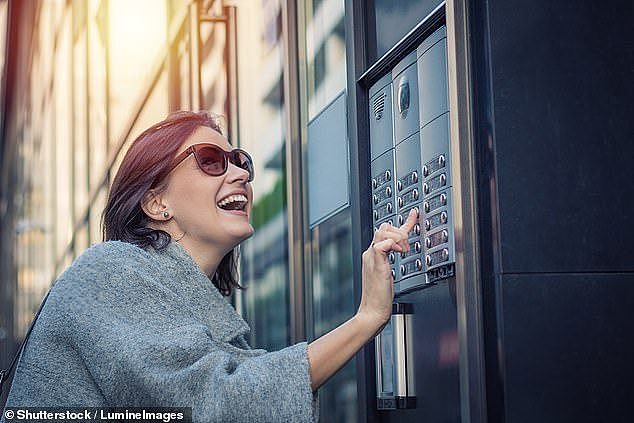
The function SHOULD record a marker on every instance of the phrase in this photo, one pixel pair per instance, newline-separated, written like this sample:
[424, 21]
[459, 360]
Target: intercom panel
[410, 161]
[410, 168]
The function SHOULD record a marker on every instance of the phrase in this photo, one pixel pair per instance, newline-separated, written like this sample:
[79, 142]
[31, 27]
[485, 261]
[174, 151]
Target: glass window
[155, 110]
[3, 31]
[213, 66]
[179, 71]
[264, 257]
[390, 21]
[325, 51]
[333, 304]
[97, 93]
[330, 241]
[137, 35]
[80, 121]
[63, 136]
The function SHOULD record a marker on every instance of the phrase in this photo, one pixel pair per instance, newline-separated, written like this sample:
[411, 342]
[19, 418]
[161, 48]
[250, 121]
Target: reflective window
[3, 32]
[137, 42]
[80, 119]
[333, 304]
[331, 248]
[63, 136]
[325, 52]
[262, 132]
[213, 66]
[392, 20]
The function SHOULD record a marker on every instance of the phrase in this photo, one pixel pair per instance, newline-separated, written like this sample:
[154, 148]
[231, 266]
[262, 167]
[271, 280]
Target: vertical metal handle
[395, 361]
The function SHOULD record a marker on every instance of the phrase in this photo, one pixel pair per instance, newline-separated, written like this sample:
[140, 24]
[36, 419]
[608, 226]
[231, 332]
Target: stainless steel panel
[436, 36]
[432, 82]
[380, 115]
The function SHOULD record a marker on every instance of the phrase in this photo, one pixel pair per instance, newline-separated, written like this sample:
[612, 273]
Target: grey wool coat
[126, 326]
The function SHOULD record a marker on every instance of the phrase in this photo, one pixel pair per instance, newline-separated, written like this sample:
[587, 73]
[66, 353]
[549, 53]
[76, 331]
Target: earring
[166, 214]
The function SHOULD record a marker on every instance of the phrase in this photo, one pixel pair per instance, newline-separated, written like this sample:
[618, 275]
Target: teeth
[232, 198]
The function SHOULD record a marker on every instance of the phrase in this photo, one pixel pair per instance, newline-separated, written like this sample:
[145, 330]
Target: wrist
[370, 323]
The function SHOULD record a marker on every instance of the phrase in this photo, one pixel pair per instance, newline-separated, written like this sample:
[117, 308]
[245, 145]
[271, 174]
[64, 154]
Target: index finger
[411, 220]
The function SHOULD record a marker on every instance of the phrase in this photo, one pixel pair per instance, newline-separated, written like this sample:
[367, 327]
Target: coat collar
[190, 283]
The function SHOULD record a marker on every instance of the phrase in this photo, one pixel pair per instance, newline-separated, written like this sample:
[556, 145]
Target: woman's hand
[329, 353]
[378, 284]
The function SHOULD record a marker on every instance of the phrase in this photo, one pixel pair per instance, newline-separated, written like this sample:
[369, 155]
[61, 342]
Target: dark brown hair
[146, 166]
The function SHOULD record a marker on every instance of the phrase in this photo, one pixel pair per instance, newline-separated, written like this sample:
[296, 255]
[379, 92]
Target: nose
[236, 173]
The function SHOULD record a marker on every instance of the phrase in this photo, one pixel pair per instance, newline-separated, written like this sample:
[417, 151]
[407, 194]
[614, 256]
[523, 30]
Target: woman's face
[193, 197]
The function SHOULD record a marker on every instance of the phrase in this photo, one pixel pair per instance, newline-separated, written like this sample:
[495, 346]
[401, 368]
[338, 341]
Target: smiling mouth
[234, 203]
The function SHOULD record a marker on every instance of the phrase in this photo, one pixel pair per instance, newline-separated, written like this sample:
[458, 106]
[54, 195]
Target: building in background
[83, 78]
[507, 123]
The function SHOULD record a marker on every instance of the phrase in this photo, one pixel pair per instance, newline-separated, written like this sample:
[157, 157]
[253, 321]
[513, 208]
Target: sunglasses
[214, 161]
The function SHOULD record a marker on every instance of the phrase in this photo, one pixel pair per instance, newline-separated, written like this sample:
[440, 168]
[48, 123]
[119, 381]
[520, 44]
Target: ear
[153, 205]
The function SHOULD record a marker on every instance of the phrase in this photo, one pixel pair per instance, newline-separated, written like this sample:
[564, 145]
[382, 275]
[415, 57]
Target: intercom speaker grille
[378, 106]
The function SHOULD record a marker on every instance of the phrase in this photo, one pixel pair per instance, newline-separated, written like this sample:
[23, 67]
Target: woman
[135, 321]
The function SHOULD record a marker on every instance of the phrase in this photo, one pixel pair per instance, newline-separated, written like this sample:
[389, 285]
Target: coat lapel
[184, 277]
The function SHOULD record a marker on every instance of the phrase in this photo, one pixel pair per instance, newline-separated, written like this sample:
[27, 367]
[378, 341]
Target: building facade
[503, 123]
[83, 78]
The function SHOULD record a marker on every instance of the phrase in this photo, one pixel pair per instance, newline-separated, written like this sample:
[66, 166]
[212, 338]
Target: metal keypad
[383, 192]
[408, 196]
[412, 169]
